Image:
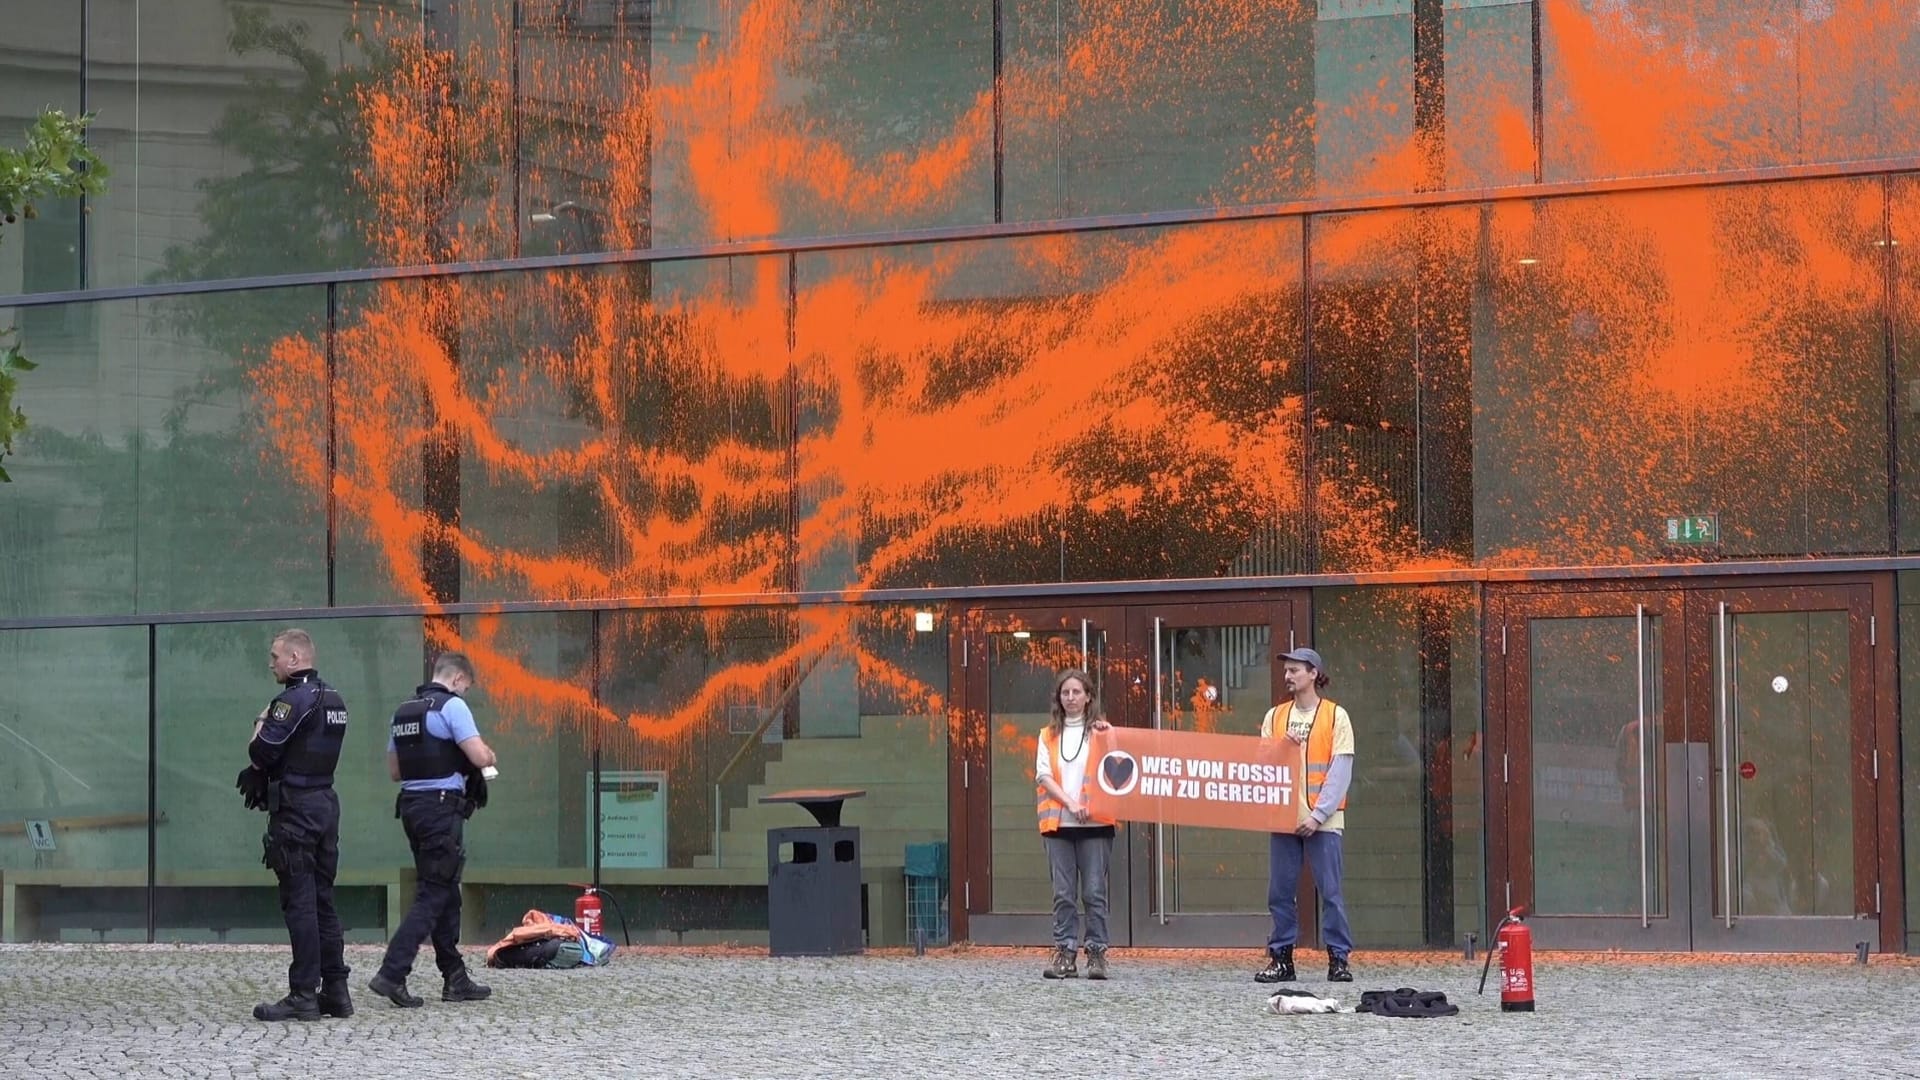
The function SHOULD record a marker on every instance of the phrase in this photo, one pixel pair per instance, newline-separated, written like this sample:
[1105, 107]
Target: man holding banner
[1325, 731]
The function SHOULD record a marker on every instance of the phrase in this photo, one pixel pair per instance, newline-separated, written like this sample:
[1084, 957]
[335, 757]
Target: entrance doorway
[1680, 767]
[1191, 666]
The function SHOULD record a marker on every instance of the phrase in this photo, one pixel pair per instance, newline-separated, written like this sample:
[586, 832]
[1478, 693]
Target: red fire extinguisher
[586, 910]
[1514, 942]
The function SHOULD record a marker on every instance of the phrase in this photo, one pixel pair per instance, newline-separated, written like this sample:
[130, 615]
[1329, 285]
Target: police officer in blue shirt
[296, 743]
[432, 749]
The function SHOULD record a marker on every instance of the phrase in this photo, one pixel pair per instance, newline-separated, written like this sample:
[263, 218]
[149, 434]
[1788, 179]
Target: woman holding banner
[1079, 846]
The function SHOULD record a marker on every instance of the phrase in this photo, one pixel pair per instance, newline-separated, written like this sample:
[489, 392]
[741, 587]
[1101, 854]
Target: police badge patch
[282, 710]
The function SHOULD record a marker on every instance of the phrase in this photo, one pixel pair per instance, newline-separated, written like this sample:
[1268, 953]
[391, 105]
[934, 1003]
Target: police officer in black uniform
[438, 756]
[296, 744]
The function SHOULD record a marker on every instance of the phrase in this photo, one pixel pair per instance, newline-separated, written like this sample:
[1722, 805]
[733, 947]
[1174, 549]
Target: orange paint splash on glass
[1079, 397]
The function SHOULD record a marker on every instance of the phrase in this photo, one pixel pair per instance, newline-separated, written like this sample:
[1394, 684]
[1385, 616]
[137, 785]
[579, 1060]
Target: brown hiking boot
[1096, 963]
[1063, 966]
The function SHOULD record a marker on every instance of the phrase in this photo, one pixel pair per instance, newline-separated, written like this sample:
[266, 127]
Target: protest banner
[1197, 778]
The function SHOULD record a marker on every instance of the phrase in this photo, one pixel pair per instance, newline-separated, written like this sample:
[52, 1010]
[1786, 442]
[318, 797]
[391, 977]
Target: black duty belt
[301, 780]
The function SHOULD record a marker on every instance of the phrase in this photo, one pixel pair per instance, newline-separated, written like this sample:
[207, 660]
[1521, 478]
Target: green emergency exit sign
[1694, 529]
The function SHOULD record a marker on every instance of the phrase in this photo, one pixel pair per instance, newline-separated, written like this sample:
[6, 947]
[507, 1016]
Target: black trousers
[436, 828]
[303, 848]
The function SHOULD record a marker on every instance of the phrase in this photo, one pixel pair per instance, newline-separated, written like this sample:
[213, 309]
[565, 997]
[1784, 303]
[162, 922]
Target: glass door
[1010, 659]
[1593, 688]
[1210, 668]
[1781, 767]
[1688, 768]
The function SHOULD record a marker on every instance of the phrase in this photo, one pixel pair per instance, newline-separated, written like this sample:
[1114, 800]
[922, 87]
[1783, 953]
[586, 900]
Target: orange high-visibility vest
[1053, 812]
[1320, 752]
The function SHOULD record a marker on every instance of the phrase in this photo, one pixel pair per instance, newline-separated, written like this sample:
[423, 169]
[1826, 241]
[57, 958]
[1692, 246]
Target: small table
[822, 803]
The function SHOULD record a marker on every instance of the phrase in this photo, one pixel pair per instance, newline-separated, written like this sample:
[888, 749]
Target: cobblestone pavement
[165, 1011]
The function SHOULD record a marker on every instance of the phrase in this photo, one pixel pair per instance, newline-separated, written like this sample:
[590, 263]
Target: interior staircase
[899, 761]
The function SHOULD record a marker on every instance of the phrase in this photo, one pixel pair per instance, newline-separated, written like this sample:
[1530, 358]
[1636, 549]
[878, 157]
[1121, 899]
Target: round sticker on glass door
[1779, 684]
[1747, 770]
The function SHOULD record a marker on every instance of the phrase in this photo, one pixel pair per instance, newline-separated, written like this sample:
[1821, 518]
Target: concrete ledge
[22, 894]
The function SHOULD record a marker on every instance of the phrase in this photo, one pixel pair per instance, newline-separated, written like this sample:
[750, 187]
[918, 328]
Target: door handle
[1725, 656]
[1159, 828]
[1640, 726]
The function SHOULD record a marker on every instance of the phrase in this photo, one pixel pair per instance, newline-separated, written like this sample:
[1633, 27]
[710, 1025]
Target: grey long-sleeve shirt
[1334, 788]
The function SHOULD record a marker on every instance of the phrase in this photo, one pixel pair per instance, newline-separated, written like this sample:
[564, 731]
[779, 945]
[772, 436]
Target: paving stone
[164, 1010]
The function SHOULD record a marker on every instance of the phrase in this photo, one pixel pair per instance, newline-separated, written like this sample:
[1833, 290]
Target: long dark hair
[1059, 723]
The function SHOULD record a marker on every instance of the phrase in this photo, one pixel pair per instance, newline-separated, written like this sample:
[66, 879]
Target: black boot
[334, 999]
[297, 1005]
[461, 987]
[1337, 970]
[1279, 967]
[394, 991]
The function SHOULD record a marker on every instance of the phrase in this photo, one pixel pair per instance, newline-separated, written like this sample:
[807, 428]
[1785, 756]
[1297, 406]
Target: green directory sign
[1694, 529]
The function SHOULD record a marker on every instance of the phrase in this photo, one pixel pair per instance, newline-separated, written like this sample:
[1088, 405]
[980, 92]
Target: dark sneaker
[1063, 966]
[395, 992]
[1337, 969]
[461, 987]
[1096, 963]
[298, 1005]
[1279, 968]
[335, 1001]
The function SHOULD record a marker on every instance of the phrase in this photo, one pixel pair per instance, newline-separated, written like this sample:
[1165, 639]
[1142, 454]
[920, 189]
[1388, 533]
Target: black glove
[252, 785]
[476, 787]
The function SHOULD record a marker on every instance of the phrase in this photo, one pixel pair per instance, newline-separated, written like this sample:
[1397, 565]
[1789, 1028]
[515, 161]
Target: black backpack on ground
[1406, 1002]
[527, 954]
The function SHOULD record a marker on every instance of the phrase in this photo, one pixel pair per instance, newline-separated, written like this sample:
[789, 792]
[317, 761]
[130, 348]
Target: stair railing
[774, 712]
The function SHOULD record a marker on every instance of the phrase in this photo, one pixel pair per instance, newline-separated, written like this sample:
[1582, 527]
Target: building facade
[772, 395]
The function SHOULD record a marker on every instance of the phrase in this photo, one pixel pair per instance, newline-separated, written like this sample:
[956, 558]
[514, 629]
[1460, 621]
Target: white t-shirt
[1073, 761]
[1299, 725]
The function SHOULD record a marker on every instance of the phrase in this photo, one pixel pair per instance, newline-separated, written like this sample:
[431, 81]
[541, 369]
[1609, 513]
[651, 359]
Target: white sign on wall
[41, 833]
[632, 818]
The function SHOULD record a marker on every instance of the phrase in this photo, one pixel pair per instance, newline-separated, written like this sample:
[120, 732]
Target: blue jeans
[1322, 853]
[1078, 860]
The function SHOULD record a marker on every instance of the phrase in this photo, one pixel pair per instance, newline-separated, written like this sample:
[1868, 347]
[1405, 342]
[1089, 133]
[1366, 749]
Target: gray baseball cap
[1306, 656]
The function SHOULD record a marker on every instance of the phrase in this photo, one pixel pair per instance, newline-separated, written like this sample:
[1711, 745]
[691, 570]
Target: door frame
[970, 766]
[1209, 929]
[1514, 819]
[1717, 931]
[1875, 742]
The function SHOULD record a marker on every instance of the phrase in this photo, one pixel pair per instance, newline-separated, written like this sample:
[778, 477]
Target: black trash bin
[813, 892]
[813, 880]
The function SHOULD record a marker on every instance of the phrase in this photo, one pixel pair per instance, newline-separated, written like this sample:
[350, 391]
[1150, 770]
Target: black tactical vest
[424, 756]
[314, 747]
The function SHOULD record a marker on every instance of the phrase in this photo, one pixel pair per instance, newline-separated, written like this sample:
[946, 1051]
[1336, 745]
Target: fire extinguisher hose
[624, 932]
[1493, 946]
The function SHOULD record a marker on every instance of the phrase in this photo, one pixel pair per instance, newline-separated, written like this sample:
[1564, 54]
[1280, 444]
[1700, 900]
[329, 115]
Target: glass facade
[651, 492]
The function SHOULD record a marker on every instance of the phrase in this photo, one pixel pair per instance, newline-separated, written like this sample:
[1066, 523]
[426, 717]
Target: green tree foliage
[55, 164]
